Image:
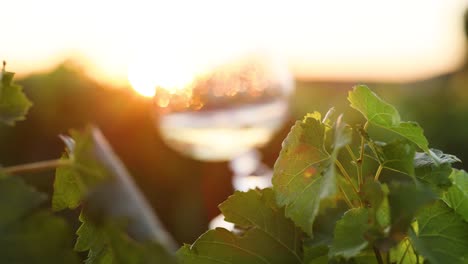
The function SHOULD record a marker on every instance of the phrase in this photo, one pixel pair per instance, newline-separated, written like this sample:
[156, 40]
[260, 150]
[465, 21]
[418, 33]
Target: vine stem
[361, 156]
[346, 175]
[377, 174]
[378, 256]
[355, 160]
[404, 254]
[346, 198]
[36, 166]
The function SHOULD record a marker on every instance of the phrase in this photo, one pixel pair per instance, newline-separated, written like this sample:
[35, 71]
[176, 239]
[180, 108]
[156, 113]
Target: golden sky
[348, 40]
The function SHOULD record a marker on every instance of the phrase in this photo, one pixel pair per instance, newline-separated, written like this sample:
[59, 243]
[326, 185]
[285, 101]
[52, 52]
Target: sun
[165, 69]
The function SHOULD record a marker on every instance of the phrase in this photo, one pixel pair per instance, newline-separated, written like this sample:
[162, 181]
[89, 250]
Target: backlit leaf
[442, 235]
[14, 104]
[73, 181]
[298, 172]
[382, 114]
[457, 196]
[304, 174]
[269, 236]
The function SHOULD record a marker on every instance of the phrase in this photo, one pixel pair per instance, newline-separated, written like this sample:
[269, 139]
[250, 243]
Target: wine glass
[227, 112]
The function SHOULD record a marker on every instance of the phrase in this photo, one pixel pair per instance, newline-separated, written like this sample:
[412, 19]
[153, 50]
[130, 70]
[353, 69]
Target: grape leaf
[23, 227]
[422, 159]
[73, 181]
[261, 207]
[442, 235]
[304, 172]
[316, 248]
[432, 173]
[106, 243]
[399, 157]
[405, 200]
[269, 236]
[373, 196]
[69, 189]
[14, 104]
[297, 174]
[404, 253]
[349, 234]
[457, 195]
[380, 113]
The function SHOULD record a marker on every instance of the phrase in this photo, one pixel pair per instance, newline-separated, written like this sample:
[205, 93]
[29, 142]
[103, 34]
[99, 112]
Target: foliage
[340, 194]
[25, 223]
[357, 201]
[13, 103]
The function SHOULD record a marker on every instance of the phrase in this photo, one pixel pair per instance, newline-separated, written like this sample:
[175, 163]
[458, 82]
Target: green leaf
[14, 105]
[399, 157]
[269, 236]
[457, 196]
[442, 235]
[297, 178]
[432, 173]
[106, 243]
[36, 239]
[404, 253]
[316, 248]
[380, 113]
[16, 199]
[349, 238]
[374, 196]
[69, 189]
[422, 159]
[72, 182]
[258, 209]
[24, 228]
[405, 200]
[304, 173]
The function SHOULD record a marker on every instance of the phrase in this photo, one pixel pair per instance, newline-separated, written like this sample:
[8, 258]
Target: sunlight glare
[170, 68]
[332, 40]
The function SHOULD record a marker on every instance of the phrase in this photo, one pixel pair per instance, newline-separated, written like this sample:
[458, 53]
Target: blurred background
[99, 62]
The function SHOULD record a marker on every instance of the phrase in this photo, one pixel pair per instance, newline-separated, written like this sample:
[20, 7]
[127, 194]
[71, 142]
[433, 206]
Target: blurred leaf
[16, 199]
[342, 135]
[29, 235]
[13, 102]
[442, 236]
[405, 200]
[69, 190]
[349, 238]
[269, 236]
[72, 182]
[435, 174]
[384, 115]
[422, 159]
[39, 238]
[107, 244]
[457, 195]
